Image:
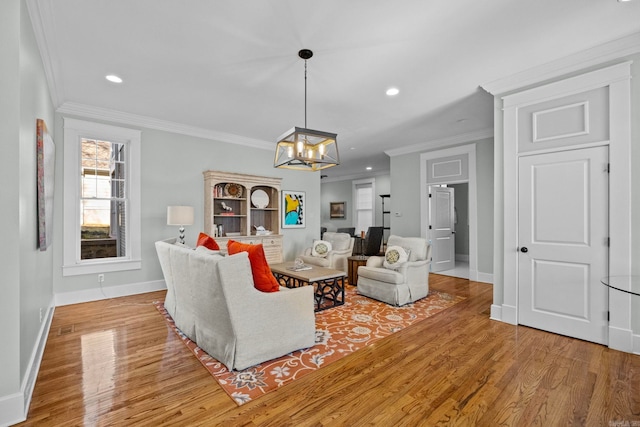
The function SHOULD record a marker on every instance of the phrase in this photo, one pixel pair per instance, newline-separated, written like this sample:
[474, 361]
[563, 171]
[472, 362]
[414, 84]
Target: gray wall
[172, 167]
[405, 191]
[342, 191]
[26, 271]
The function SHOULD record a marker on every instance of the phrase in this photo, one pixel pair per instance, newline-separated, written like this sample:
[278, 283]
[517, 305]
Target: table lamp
[181, 216]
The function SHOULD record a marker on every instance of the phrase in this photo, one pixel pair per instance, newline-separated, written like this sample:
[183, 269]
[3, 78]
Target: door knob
[524, 249]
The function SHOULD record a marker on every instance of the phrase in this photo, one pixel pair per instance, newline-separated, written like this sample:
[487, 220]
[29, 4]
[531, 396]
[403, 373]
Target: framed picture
[337, 210]
[293, 209]
[46, 156]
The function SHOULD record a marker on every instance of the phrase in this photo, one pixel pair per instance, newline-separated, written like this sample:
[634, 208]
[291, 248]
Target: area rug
[340, 331]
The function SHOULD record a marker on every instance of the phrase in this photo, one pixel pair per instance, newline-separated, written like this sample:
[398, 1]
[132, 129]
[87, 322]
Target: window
[101, 223]
[364, 203]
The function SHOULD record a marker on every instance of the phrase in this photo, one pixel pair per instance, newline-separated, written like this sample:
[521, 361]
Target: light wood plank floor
[115, 362]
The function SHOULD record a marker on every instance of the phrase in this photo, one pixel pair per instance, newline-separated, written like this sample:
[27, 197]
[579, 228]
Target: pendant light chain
[305, 93]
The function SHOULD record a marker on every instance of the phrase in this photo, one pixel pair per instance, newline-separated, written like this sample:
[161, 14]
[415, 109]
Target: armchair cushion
[321, 248]
[394, 257]
[263, 279]
[339, 241]
[407, 283]
[341, 249]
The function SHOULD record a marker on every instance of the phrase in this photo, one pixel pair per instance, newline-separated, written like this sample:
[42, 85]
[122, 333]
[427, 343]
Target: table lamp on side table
[181, 216]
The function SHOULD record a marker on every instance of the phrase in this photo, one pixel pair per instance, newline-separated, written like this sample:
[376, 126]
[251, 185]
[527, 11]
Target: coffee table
[327, 283]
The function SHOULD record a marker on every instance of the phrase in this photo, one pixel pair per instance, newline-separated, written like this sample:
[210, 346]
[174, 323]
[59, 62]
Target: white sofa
[342, 248]
[408, 283]
[213, 301]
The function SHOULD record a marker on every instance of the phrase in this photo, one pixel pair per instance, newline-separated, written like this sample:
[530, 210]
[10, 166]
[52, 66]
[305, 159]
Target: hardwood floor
[115, 362]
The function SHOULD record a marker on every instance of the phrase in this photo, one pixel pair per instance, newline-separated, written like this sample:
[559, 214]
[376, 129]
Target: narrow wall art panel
[46, 153]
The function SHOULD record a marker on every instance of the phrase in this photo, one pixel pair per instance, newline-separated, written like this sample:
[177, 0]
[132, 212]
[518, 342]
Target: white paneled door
[442, 228]
[562, 238]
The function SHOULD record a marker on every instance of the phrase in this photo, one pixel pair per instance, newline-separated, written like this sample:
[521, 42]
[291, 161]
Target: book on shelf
[227, 214]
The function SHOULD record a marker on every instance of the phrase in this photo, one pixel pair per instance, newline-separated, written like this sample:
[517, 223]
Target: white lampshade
[179, 215]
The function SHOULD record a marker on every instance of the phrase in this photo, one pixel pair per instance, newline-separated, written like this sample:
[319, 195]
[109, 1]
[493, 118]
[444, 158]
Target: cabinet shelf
[232, 192]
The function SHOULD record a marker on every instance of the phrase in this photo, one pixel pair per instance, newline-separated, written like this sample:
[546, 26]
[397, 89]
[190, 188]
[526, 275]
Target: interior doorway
[453, 166]
[458, 265]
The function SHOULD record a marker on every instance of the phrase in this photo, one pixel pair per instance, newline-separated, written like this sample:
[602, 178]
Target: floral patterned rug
[340, 331]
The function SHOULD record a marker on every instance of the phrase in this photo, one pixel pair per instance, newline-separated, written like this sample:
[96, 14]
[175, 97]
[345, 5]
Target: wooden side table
[355, 262]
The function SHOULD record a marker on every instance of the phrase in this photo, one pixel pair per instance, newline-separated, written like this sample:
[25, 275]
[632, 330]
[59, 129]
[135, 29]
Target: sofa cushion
[320, 248]
[207, 251]
[395, 257]
[263, 279]
[207, 241]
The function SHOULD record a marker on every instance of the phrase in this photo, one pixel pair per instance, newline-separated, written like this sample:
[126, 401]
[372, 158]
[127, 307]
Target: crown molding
[355, 176]
[99, 113]
[596, 55]
[442, 142]
[42, 23]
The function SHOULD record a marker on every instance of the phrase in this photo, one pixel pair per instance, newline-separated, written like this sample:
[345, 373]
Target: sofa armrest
[266, 324]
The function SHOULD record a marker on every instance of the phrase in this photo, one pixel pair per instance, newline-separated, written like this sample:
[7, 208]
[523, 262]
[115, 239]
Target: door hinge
[608, 241]
[607, 168]
[429, 195]
[429, 227]
[608, 316]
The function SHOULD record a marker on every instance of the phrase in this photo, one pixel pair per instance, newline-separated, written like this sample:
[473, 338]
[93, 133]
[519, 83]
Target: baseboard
[485, 278]
[107, 292]
[509, 314]
[496, 312]
[621, 339]
[636, 344]
[14, 408]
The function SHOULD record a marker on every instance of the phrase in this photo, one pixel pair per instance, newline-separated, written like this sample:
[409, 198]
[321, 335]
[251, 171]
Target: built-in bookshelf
[245, 208]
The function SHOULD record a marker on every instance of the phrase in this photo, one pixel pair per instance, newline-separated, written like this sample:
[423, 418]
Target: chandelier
[303, 148]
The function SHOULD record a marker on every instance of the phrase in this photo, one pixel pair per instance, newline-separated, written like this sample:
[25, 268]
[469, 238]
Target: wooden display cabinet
[237, 204]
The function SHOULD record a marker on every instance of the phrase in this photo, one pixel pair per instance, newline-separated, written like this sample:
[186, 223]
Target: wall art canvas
[294, 209]
[46, 152]
[336, 210]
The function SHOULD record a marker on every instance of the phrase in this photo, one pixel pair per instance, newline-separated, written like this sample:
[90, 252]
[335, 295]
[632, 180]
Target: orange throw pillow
[207, 241]
[263, 279]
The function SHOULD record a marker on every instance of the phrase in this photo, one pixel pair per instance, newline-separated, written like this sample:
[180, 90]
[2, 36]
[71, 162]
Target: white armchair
[341, 249]
[408, 283]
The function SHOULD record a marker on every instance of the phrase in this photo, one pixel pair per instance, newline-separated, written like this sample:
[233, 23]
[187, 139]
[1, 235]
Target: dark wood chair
[351, 231]
[372, 241]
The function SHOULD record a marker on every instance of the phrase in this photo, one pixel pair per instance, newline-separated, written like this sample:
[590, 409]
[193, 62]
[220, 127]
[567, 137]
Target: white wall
[635, 195]
[26, 271]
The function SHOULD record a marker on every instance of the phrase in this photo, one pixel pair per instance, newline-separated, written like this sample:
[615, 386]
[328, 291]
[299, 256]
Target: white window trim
[74, 130]
[354, 195]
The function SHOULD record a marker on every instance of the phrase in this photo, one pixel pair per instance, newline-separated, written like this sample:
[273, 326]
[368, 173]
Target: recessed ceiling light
[393, 91]
[369, 168]
[113, 78]
[352, 148]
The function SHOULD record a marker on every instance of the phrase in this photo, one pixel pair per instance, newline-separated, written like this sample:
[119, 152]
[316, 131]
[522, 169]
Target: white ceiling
[230, 68]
